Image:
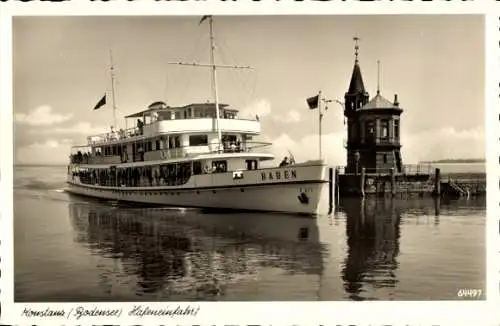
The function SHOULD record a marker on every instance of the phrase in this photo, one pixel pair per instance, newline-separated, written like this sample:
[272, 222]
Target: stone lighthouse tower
[373, 127]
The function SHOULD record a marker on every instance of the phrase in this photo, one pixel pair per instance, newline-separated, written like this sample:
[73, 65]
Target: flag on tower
[313, 102]
[100, 103]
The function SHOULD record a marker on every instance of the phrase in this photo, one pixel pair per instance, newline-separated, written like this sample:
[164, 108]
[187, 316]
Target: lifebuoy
[164, 155]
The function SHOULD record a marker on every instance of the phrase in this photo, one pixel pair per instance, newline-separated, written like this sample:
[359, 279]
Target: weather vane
[356, 46]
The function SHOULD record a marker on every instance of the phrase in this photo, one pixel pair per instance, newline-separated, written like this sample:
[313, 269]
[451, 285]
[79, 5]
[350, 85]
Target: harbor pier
[413, 181]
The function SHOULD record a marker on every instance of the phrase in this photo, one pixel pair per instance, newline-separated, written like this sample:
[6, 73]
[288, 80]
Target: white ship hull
[308, 193]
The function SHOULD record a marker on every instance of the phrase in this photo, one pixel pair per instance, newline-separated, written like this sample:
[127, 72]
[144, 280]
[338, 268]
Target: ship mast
[112, 72]
[214, 67]
[214, 81]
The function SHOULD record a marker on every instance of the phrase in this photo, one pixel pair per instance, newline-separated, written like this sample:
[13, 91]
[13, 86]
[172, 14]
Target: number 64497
[469, 293]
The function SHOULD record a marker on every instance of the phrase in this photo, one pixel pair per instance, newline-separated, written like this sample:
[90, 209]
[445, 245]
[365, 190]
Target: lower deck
[293, 189]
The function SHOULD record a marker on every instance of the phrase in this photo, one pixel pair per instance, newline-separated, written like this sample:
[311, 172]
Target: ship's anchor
[303, 198]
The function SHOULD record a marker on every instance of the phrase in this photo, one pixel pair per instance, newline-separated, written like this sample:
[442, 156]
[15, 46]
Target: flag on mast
[313, 102]
[100, 103]
[203, 19]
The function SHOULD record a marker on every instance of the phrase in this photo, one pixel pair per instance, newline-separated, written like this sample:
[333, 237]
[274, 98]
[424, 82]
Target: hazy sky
[434, 63]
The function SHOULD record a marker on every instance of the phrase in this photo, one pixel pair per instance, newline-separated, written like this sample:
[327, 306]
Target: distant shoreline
[465, 161]
[38, 165]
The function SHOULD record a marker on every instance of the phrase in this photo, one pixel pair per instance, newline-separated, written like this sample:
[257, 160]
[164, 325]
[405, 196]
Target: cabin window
[178, 141]
[219, 166]
[198, 113]
[167, 115]
[251, 164]
[149, 145]
[157, 144]
[198, 140]
[177, 115]
[197, 168]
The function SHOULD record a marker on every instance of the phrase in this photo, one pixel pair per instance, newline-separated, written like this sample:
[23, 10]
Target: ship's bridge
[159, 118]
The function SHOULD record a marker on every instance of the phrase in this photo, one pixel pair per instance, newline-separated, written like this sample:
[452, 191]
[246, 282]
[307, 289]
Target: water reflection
[188, 255]
[373, 232]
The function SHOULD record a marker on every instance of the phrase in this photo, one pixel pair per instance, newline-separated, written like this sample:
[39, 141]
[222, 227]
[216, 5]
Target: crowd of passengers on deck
[159, 175]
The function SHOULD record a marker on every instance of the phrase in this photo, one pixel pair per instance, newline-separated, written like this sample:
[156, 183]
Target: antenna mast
[214, 81]
[112, 72]
[212, 65]
[378, 76]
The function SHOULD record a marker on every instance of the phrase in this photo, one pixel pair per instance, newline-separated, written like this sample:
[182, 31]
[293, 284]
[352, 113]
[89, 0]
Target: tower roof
[379, 102]
[356, 86]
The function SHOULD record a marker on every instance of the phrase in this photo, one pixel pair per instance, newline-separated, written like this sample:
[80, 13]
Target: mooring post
[362, 182]
[393, 182]
[437, 182]
[437, 205]
[337, 186]
[331, 186]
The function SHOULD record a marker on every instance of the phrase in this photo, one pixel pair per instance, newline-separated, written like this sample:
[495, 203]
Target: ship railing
[114, 135]
[121, 134]
[213, 148]
[169, 153]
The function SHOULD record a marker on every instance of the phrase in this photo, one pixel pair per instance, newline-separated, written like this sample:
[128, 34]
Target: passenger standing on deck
[113, 133]
[140, 126]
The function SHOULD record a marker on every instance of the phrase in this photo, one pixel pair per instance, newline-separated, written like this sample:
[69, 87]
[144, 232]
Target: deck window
[198, 140]
[197, 168]
[251, 164]
[219, 166]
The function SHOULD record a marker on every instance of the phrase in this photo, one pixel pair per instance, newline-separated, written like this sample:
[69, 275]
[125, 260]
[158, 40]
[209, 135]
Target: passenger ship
[199, 155]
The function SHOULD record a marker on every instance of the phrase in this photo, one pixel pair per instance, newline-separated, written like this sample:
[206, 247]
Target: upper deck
[160, 119]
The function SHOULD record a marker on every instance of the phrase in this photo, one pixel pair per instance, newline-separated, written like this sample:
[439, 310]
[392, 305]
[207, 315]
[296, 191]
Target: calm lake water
[70, 248]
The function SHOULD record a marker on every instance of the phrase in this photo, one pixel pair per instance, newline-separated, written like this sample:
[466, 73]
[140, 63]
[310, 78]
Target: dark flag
[203, 18]
[313, 102]
[101, 102]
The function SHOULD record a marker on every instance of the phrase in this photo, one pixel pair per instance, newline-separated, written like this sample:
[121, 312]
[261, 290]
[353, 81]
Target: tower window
[384, 132]
[396, 129]
[370, 130]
